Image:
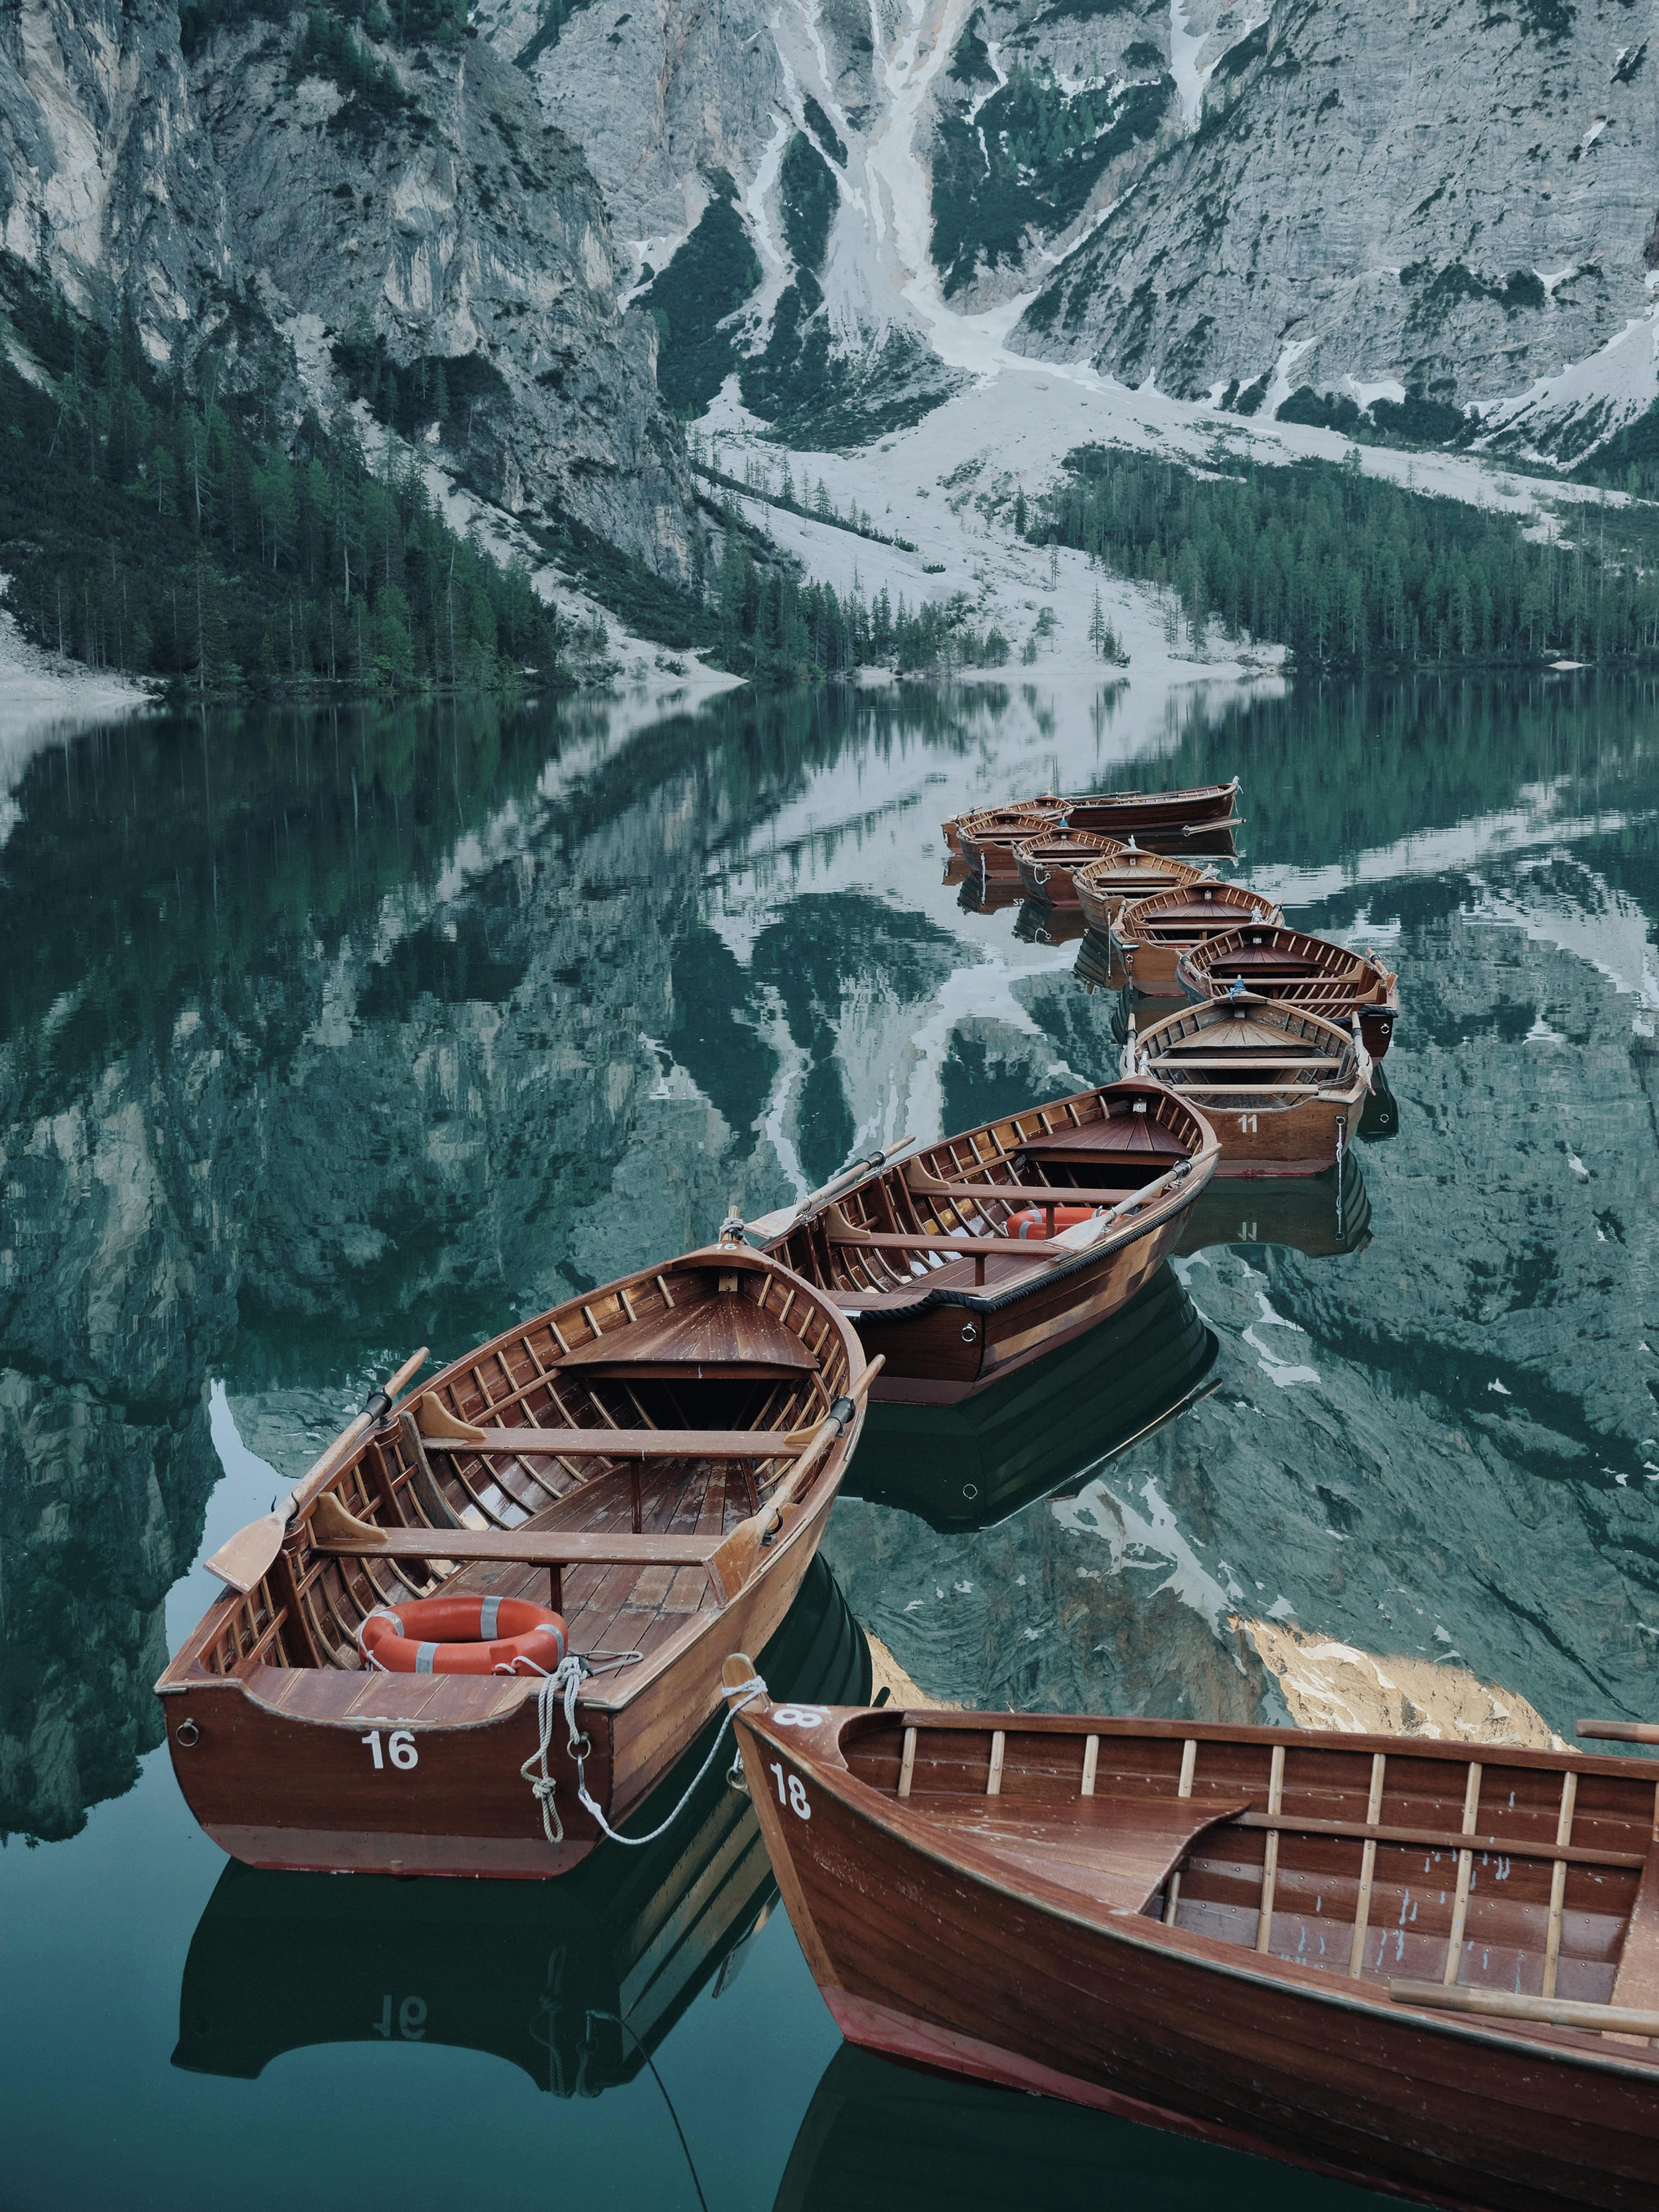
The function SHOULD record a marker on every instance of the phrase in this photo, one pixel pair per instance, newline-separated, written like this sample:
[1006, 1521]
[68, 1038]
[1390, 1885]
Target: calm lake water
[325, 1038]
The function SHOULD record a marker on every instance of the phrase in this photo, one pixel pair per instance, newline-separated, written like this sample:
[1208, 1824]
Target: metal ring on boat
[968, 1332]
[186, 1734]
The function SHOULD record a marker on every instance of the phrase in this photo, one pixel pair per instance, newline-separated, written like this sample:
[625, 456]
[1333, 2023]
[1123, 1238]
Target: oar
[1618, 1731]
[783, 1217]
[241, 1559]
[736, 1557]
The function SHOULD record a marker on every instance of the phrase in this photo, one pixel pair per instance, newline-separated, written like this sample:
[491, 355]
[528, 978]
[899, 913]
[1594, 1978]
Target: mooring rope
[562, 1686]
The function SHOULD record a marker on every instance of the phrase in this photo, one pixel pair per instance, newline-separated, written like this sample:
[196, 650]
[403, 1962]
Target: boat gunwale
[1381, 984]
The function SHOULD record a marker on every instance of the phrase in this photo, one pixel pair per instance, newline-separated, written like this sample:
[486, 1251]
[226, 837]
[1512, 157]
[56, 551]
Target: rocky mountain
[316, 214]
[529, 239]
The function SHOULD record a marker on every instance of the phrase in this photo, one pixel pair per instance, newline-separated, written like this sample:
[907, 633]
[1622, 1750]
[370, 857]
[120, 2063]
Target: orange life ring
[1033, 1220]
[464, 1635]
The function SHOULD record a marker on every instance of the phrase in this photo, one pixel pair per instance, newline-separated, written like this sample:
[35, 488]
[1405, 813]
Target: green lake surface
[325, 1038]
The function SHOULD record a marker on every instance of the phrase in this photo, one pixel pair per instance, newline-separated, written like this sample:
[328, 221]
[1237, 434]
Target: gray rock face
[1444, 197]
[238, 197]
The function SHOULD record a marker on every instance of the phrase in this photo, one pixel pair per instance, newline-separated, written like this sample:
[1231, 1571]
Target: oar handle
[782, 1217]
[833, 1424]
[1618, 1731]
[376, 1411]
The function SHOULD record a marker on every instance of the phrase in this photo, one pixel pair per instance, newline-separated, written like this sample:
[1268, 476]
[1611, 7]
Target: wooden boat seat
[627, 1444]
[1127, 1133]
[729, 1335]
[1117, 1851]
[336, 1531]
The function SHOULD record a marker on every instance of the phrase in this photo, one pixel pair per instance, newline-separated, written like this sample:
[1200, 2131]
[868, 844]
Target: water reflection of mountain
[880, 2138]
[347, 1036]
[576, 1981]
[969, 1467]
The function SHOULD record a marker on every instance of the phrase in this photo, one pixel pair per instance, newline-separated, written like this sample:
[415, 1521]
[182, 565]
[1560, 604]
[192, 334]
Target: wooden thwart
[630, 1443]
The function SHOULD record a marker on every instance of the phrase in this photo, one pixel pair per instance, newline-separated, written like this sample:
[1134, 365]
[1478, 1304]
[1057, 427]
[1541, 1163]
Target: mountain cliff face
[329, 219]
[1450, 201]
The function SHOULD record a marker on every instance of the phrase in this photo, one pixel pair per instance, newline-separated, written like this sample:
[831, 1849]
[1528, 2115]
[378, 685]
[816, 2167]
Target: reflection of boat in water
[970, 1465]
[1380, 1118]
[1316, 1215]
[574, 1981]
[977, 896]
[1049, 925]
[879, 2136]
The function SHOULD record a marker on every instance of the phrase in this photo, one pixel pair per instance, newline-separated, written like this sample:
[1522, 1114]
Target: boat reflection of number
[879, 2136]
[575, 1981]
[967, 1465]
[1319, 1216]
[1376, 1955]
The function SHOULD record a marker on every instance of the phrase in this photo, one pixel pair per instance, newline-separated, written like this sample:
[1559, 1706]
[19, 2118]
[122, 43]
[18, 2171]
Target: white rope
[562, 1686]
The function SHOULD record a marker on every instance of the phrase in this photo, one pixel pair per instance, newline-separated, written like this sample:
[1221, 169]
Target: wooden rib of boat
[657, 1460]
[986, 840]
[1377, 1956]
[1283, 1089]
[1150, 934]
[970, 1465]
[1277, 962]
[577, 1981]
[1105, 886]
[928, 1259]
[1047, 863]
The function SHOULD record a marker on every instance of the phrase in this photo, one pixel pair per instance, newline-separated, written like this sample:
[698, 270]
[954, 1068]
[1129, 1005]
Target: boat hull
[1305, 1139]
[922, 1957]
[313, 1791]
[952, 1353]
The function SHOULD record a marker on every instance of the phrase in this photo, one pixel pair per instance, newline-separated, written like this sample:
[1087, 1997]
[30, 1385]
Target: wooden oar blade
[242, 1559]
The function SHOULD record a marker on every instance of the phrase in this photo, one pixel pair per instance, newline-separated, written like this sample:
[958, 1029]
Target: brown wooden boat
[1030, 812]
[1150, 934]
[1376, 1956]
[1283, 1089]
[577, 1981]
[1105, 886]
[620, 1448]
[1201, 818]
[1276, 962]
[1046, 863]
[986, 840]
[980, 1253]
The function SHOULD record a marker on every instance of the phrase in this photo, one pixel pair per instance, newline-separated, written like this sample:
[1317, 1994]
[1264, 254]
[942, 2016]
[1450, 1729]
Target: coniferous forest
[1349, 571]
[169, 533]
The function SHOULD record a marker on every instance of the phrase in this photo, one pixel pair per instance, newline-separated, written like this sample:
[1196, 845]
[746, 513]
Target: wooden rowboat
[1276, 962]
[1047, 862]
[1150, 934]
[658, 1458]
[986, 840]
[1283, 1089]
[1105, 886]
[1200, 818]
[1030, 812]
[577, 1982]
[1376, 1956]
[958, 1265]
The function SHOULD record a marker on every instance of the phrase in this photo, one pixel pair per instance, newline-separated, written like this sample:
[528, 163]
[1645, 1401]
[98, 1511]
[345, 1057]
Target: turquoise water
[324, 1038]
